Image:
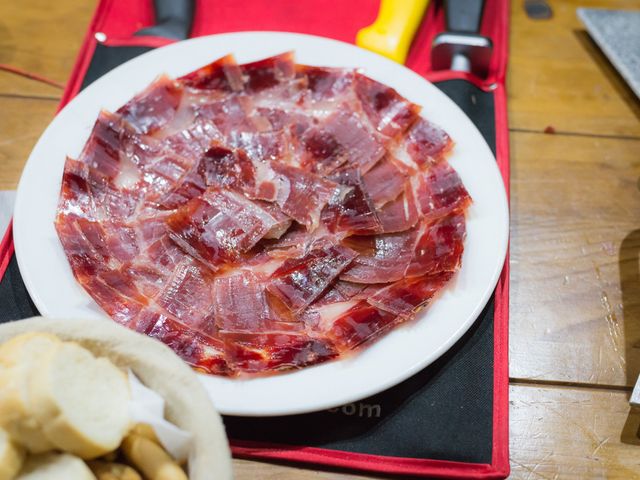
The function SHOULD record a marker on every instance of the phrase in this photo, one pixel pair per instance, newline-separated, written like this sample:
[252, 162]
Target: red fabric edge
[499, 467]
[363, 461]
[6, 249]
[85, 54]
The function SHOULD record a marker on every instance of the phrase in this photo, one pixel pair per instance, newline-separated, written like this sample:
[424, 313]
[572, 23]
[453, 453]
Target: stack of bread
[64, 415]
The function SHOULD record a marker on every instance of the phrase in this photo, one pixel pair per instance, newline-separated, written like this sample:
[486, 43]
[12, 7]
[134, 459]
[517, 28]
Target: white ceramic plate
[396, 356]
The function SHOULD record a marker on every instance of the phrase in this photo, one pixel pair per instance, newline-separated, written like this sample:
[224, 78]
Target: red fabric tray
[118, 21]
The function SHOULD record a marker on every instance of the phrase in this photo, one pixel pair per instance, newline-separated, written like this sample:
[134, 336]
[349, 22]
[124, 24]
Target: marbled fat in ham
[263, 217]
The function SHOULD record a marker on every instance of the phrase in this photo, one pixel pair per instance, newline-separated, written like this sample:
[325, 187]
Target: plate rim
[432, 356]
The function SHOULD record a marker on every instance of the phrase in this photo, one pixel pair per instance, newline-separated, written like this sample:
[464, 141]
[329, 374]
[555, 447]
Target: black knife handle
[173, 19]
[463, 16]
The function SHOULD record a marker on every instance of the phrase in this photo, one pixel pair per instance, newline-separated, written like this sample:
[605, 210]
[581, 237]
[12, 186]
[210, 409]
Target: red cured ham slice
[269, 72]
[381, 259]
[400, 214]
[96, 270]
[84, 258]
[233, 114]
[102, 150]
[226, 168]
[384, 182]
[340, 291]
[118, 306]
[439, 246]
[440, 191]
[261, 146]
[405, 296]
[190, 185]
[200, 351]
[302, 195]
[350, 209]
[219, 225]
[75, 196]
[281, 221]
[326, 83]
[342, 138]
[241, 304]
[95, 246]
[223, 167]
[426, 143]
[261, 352]
[165, 253]
[360, 324]
[293, 243]
[389, 112]
[187, 296]
[299, 281]
[154, 107]
[222, 75]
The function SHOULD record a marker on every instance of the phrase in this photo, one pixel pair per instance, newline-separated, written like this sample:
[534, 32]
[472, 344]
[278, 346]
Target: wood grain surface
[559, 78]
[575, 245]
[575, 236]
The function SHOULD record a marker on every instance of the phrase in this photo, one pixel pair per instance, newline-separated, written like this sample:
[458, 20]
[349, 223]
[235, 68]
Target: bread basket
[187, 403]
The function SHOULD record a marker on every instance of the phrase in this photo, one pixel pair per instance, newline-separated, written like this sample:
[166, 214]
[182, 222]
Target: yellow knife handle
[392, 32]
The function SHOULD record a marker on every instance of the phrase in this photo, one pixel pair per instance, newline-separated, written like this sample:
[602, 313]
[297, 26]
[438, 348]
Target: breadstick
[151, 459]
[112, 471]
[147, 431]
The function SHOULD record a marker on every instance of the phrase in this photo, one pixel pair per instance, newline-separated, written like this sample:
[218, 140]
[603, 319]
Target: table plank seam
[30, 97]
[576, 134]
[569, 385]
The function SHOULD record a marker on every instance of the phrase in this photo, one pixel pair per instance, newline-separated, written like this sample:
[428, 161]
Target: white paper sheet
[146, 406]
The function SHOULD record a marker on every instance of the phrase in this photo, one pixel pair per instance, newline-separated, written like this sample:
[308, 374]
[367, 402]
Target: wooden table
[575, 233]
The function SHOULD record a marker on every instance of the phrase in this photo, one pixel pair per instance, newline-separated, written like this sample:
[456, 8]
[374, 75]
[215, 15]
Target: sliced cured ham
[439, 246]
[299, 281]
[218, 226]
[187, 295]
[381, 258]
[342, 138]
[360, 324]
[389, 112]
[405, 296]
[153, 108]
[265, 351]
[350, 208]
[264, 216]
[268, 73]
[440, 191]
[222, 75]
[203, 352]
[426, 143]
[400, 214]
[241, 304]
[384, 182]
[302, 195]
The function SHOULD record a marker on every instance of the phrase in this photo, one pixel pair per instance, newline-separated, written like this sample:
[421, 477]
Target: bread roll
[55, 466]
[19, 358]
[11, 457]
[80, 401]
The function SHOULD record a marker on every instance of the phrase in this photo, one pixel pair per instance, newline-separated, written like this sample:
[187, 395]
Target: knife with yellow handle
[392, 32]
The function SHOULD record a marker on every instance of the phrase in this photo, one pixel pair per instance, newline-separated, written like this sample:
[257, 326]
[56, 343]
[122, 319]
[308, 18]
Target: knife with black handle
[461, 47]
[173, 20]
